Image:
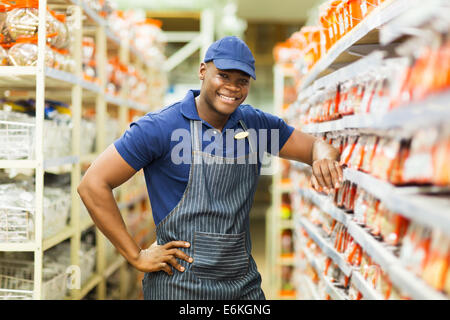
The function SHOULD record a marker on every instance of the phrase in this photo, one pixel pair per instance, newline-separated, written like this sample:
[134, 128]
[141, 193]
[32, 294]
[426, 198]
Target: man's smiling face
[224, 90]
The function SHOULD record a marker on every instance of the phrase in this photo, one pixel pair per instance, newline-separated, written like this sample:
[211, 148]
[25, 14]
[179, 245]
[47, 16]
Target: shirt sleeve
[142, 142]
[276, 128]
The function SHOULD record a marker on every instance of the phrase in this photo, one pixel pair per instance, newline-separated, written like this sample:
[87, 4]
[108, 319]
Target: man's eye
[223, 75]
[244, 81]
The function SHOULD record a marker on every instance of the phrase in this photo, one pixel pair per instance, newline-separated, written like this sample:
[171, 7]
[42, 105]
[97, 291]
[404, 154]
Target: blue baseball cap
[231, 53]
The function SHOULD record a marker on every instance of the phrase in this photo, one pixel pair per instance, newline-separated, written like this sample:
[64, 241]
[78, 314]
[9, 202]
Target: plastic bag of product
[418, 167]
[25, 53]
[350, 144]
[22, 19]
[436, 267]
[3, 57]
[61, 40]
[440, 156]
[386, 157]
[2, 16]
[88, 49]
[393, 227]
[369, 152]
[415, 248]
[357, 157]
[353, 292]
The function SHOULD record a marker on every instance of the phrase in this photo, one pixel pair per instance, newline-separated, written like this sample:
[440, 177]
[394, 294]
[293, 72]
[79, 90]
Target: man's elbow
[83, 188]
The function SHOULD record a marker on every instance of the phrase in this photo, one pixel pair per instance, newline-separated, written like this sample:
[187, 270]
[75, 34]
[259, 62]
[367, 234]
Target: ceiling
[289, 11]
[275, 10]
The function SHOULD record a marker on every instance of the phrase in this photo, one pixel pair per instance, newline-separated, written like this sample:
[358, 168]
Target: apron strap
[196, 127]
[250, 142]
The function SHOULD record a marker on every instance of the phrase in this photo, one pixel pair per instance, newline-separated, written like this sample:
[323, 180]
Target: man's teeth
[227, 98]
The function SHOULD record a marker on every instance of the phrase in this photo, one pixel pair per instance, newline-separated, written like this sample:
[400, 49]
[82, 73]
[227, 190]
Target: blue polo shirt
[152, 141]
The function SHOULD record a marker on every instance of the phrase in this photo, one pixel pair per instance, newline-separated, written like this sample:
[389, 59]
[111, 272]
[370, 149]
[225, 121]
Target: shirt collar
[189, 110]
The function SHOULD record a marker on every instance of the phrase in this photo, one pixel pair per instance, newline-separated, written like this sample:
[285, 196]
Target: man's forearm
[322, 150]
[102, 207]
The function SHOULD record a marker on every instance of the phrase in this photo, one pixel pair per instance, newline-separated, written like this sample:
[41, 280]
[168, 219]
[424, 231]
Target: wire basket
[16, 280]
[16, 224]
[56, 211]
[87, 264]
[16, 140]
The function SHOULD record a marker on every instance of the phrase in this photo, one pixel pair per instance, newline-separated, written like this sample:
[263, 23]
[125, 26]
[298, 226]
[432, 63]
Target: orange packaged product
[332, 28]
[348, 149]
[441, 157]
[4, 61]
[394, 228]
[415, 250]
[358, 153]
[353, 292]
[396, 173]
[335, 18]
[370, 149]
[372, 4]
[386, 155]
[356, 11]
[326, 28]
[436, 268]
[385, 286]
[418, 166]
[350, 197]
[371, 215]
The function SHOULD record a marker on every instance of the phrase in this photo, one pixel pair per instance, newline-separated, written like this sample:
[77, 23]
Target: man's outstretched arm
[107, 172]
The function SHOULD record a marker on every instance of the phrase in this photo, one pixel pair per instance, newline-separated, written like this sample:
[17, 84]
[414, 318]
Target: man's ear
[202, 71]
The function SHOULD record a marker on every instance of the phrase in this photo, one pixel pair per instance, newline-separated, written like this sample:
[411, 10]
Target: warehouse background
[341, 70]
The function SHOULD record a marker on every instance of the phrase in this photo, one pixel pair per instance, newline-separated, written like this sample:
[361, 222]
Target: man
[201, 195]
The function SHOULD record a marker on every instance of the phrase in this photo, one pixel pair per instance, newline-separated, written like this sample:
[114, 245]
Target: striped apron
[213, 216]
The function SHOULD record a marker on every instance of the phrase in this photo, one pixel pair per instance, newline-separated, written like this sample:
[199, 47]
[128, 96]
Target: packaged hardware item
[425, 252]
[287, 243]
[22, 20]
[25, 53]
[4, 61]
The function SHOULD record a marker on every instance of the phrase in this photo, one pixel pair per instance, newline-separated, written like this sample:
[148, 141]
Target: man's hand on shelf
[327, 172]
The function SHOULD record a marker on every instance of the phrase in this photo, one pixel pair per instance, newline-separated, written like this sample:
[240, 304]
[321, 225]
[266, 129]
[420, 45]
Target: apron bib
[213, 216]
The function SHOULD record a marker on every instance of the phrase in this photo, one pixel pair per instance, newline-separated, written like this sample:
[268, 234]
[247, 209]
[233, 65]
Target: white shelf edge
[427, 213]
[418, 289]
[18, 164]
[324, 203]
[21, 247]
[326, 247]
[419, 114]
[17, 71]
[56, 162]
[361, 284]
[333, 291]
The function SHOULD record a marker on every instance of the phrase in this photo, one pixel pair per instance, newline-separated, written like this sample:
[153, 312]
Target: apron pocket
[220, 256]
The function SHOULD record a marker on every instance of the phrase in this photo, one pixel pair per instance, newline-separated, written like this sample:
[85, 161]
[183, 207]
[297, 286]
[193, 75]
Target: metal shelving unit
[380, 253]
[341, 63]
[40, 79]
